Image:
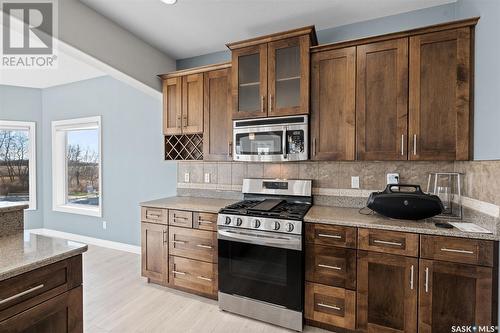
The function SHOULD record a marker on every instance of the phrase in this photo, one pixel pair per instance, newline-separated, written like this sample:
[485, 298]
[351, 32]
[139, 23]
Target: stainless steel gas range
[261, 251]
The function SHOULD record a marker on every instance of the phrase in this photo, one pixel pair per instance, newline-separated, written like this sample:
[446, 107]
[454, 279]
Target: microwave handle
[285, 154]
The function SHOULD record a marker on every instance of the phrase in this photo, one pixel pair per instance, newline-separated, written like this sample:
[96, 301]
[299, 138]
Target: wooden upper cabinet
[172, 106]
[192, 104]
[333, 104]
[440, 89]
[218, 127]
[382, 100]
[271, 73]
[455, 294]
[249, 82]
[288, 76]
[387, 293]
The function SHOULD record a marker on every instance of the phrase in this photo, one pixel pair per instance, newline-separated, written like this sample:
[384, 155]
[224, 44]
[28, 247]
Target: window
[76, 166]
[18, 162]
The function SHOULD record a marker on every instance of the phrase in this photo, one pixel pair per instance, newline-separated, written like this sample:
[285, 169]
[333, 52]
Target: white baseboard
[88, 240]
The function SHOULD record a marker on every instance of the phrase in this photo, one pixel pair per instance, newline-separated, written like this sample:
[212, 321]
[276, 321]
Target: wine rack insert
[184, 147]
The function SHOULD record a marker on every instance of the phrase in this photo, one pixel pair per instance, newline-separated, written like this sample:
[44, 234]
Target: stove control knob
[228, 220]
[289, 227]
[256, 223]
[239, 221]
[276, 225]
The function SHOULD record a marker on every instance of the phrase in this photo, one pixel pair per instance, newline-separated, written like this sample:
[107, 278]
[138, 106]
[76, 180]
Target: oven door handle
[281, 242]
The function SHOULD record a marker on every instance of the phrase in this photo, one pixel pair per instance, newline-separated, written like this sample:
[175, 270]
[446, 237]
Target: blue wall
[25, 104]
[132, 156]
[487, 49]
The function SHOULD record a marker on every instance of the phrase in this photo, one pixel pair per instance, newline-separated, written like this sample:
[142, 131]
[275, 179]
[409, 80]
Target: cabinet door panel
[154, 251]
[454, 294]
[333, 104]
[387, 293]
[439, 95]
[192, 104]
[382, 98]
[249, 82]
[218, 126]
[172, 106]
[288, 76]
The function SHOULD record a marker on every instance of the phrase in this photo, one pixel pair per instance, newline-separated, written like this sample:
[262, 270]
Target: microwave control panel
[295, 141]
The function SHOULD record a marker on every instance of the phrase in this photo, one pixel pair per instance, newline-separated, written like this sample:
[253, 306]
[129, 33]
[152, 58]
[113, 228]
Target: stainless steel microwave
[274, 139]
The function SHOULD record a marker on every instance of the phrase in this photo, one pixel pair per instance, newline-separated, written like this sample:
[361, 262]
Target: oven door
[262, 267]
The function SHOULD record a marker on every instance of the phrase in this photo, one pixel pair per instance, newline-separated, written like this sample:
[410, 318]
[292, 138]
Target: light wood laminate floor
[118, 299]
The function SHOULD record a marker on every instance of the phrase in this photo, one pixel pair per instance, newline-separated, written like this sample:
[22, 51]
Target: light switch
[207, 177]
[186, 177]
[355, 182]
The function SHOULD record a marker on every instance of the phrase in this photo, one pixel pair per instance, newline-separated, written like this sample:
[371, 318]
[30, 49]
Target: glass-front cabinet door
[250, 82]
[288, 76]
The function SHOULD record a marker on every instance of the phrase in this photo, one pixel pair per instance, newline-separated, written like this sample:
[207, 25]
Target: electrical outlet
[186, 177]
[207, 177]
[104, 225]
[355, 182]
[393, 178]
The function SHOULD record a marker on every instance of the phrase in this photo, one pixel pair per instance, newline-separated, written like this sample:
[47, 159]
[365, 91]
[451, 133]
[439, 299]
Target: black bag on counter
[414, 205]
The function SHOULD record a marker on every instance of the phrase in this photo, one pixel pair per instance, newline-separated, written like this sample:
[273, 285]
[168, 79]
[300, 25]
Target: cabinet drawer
[29, 289]
[393, 242]
[323, 234]
[154, 215]
[193, 244]
[180, 218]
[461, 250]
[205, 221]
[333, 266]
[195, 275]
[330, 305]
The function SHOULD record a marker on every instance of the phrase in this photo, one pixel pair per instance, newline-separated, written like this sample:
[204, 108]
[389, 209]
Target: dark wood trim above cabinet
[309, 30]
[470, 22]
[195, 70]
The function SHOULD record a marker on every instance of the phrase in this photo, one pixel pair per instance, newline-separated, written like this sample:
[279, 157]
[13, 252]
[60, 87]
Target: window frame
[59, 165]
[30, 126]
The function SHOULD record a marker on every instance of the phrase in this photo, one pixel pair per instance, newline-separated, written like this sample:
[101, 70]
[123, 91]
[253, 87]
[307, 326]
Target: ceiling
[194, 27]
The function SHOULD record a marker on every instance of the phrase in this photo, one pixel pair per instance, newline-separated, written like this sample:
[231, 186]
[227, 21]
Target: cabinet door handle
[178, 121]
[204, 246]
[412, 271]
[314, 147]
[22, 293]
[177, 272]
[330, 236]
[329, 306]
[165, 238]
[330, 267]
[178, 242]
[414, 144]
[262, 103]
[426, 283]
[457, 251]
[184, 120]
[229, 149]
[387, 243]
[402, 144]
[270, 103]
[204, 278]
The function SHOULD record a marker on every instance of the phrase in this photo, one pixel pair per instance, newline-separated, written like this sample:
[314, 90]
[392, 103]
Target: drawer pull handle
[204, 246]
[412, 270]
[207, 222]
[153, 216]
[23, 293]
[180, 217]
[426, 284]
[330, 236]
[457, 251]
[204, 278]
[178, 242]
[177, 272]
[329, 306]
[330, 267]
[387, 243]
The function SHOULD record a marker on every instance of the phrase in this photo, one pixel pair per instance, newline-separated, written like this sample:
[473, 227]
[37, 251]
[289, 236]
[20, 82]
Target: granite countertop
[209, 205]
[24, 251]
[6, 206]
[352, 217]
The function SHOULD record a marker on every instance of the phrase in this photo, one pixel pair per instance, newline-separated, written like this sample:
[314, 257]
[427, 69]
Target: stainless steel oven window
[259, 143]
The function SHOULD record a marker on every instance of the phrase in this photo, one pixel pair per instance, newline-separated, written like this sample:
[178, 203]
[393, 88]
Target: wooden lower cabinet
[454, 294]
[154, 252]
[333, 266]
[198, 276]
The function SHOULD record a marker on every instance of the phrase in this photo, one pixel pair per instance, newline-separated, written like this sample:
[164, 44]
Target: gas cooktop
[270, 208]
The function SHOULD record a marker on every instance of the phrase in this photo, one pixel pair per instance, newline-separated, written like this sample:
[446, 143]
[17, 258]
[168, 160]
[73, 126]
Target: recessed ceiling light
[169, 2]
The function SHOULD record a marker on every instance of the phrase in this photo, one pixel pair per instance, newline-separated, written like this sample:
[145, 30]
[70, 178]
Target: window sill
[78, 209]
